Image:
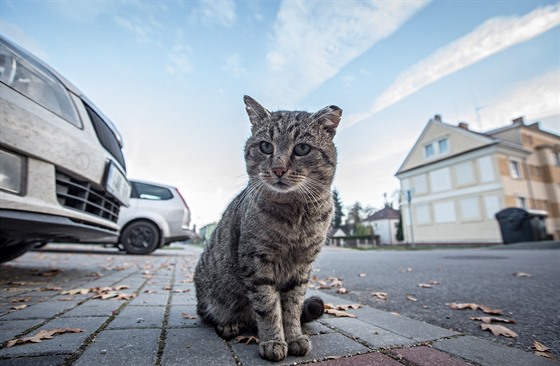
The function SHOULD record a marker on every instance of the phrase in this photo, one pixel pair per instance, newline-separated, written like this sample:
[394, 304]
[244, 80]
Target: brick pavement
[149, 318]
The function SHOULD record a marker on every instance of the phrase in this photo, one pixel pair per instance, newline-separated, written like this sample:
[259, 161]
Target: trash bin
[519, 225]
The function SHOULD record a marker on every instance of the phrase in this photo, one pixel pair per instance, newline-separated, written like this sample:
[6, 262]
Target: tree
[355, 214]
[338, 215]
[400, 234]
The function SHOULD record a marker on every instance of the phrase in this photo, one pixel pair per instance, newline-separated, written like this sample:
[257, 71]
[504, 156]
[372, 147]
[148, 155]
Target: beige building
[459, 180]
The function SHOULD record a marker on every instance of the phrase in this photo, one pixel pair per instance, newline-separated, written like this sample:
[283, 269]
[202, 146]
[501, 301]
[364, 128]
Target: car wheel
[140, 237]
[13, 251]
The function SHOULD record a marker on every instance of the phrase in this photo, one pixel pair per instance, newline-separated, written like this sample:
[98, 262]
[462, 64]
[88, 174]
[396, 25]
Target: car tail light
[182, 199]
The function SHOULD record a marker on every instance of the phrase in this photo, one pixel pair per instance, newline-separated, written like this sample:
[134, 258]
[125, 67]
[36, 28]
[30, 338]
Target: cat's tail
[313, 309]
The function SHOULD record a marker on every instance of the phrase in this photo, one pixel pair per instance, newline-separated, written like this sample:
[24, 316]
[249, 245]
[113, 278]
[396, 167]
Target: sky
[171, 75]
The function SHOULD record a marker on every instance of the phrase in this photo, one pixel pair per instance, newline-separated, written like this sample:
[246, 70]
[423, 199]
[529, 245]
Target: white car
[62, 171]
[157, 216]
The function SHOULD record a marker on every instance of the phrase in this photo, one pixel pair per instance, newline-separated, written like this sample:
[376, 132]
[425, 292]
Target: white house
[384, 223]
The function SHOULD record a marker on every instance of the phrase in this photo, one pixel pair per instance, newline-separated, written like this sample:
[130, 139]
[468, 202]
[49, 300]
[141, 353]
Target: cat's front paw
[273, 350]
[299, 346]
[228, 331]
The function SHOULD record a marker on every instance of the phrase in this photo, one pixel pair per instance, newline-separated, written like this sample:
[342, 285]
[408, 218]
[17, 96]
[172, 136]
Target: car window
[37, 83]
[150, 192]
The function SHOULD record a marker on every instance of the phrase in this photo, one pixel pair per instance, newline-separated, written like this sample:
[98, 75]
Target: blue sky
[171, 75]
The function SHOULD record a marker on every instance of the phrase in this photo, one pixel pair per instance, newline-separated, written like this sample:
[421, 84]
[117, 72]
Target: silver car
[157, 216]
[62, 170]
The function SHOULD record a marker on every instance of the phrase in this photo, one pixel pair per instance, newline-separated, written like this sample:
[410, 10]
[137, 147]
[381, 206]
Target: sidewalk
[149, 318]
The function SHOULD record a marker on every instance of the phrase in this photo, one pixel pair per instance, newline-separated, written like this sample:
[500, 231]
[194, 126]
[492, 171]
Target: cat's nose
[279, 171]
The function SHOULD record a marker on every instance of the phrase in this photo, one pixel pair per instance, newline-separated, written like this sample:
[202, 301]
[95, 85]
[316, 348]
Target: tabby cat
[254, 271]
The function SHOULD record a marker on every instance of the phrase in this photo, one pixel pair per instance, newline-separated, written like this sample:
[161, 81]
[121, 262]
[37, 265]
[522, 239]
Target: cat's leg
[265, 300]
[292, 304]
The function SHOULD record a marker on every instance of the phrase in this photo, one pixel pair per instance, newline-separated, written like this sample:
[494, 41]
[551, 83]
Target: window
[150, 192]
[444, 212]
[436, 148]
[423, 216]
[464, 173]
[440, 180]
[470, 208]
[486, 169]
[515, 169]
[556, 158]
[429, 150]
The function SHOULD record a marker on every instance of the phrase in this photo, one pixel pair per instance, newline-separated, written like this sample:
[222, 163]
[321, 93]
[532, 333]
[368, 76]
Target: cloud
[233, 65]
[179, 59]
[18, 35]
[311, 42]
[491, 37]
[215, 12]
[535, 98]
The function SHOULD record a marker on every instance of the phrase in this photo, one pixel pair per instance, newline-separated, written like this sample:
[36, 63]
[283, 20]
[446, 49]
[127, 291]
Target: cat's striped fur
[254, 271]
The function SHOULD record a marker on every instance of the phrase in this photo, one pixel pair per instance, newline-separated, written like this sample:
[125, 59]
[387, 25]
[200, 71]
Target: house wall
[386, 229]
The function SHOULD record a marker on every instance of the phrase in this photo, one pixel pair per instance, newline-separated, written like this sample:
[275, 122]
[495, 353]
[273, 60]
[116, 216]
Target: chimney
[437, 118]
[464, 125]
[518, 120]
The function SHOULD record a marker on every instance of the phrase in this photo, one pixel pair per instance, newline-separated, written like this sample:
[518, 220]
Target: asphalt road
[481, 276]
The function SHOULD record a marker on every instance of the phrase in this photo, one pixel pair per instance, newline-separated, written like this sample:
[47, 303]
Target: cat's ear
[256, 112]
[329, 117]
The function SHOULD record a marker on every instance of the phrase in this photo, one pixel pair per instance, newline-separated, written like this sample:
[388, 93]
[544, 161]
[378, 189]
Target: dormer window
[436, 148]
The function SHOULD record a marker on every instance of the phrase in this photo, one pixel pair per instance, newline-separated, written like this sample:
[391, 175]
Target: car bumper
[29, 226]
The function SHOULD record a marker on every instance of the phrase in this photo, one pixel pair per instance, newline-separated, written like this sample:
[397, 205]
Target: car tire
[140, 237]
[13, 251]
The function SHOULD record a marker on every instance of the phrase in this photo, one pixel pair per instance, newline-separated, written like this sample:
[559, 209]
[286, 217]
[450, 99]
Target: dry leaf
[435, 282]
[342, 291]
[522, 274]
[463, 306]
[499, 330]
[488, 310]
[362, 274]
[50, 273]
[395, 313]
[22, 299]
[126, 296]
[411, 298]
[246, 339]
[41, 335]
[380, 295]
[187, 316]
[121, 287]
[81, 291]
[19, 307]
[50, 289]
[339, 313]
[424, 285]
[542, 350]
[150, 292]
[69, 298]
[342, 307]
[490, 319]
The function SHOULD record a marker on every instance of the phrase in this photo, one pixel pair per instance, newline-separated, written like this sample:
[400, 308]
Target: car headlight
[11, 172]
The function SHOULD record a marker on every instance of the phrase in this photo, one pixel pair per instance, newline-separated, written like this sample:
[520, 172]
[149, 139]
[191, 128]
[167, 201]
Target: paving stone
[184, 298]
[12, 328]
[176, 320]
[315, 328]
[41, 310]
[95, 307]
[150, 299]
[122, 347]
[324, 345]
[369, 359]
[405, 327]
[139, 317]
[487, 353]
[426, 356]
[195, 346]
[376, 337]
[61, 343]
[34, 361]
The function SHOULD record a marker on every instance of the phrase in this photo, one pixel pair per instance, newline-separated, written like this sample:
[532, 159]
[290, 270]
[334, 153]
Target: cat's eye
[302, 149]
[266, 147]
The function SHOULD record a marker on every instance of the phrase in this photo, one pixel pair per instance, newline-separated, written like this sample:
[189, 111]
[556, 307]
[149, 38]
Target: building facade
[384, 224]
[459, 179]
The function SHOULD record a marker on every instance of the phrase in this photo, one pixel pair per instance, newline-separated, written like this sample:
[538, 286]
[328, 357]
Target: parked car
[62, 170]
[157, 216]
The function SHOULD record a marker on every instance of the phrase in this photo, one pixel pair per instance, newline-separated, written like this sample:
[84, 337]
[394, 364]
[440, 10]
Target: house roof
[387, 213]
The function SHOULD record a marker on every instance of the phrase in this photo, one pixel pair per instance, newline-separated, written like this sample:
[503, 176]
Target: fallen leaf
[380, 295]
[434, 282]
[187, 316]
[50, 289]
[246, 339]
[395, 313]
[424, 285]
[499, 330]
[463, 306]
[342, 291]
[339, 313]
[22, 299]
[69, 298]
[126, 296]
[342, 307]
[411, 298]
[76, 291]
[19, 307]
[490, 319]
[542, 350]
[488, 310]
[50, 273]
[362, 274]
[150, 292]
[42, 335]
[522, 274]
[121, 287]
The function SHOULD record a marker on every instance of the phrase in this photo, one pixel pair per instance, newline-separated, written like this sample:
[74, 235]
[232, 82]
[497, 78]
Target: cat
[254, 271]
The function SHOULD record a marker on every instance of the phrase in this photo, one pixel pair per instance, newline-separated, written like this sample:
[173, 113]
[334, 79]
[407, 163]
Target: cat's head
[292, 151]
